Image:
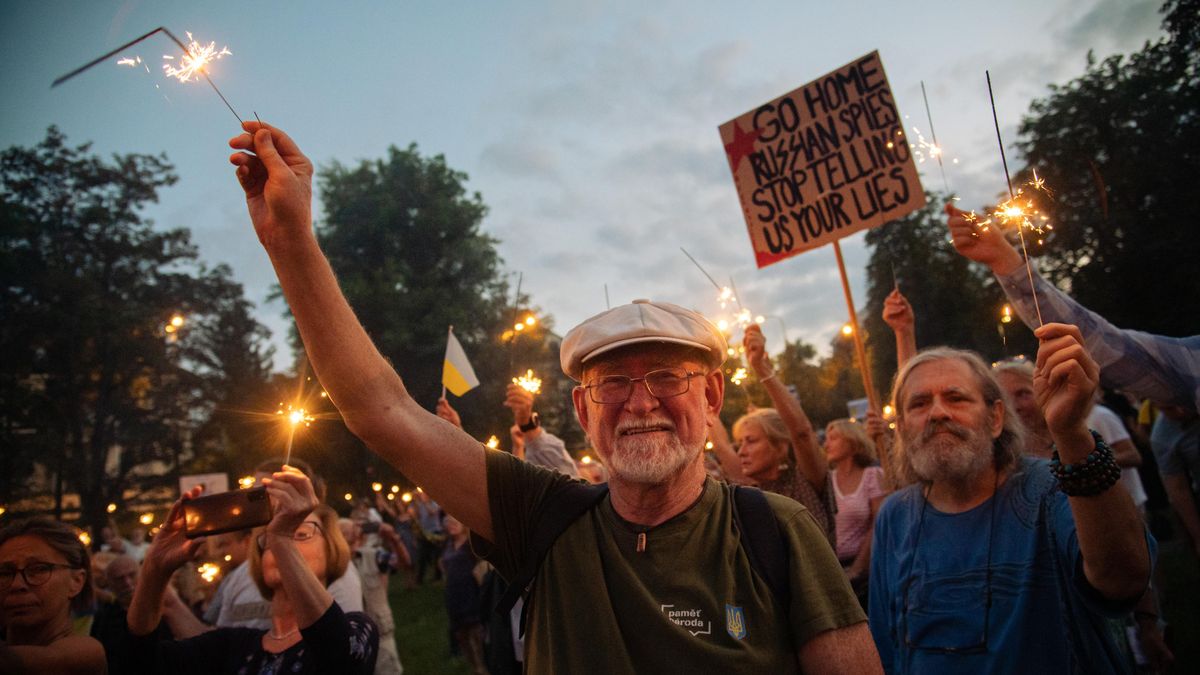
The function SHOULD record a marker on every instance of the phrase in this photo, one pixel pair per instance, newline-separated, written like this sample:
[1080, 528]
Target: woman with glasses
[777, 448]
[44, 570]
[294, 559]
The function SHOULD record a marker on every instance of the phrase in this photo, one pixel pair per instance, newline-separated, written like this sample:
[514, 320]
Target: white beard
[649, 461]
[952, 459]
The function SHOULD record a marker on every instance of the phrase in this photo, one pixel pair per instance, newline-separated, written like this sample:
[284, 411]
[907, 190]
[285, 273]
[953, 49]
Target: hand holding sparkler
[899, 316]
[448, 413]
[292, 499]
[277, 180]
[897, 313]
[986, 245]
[755, 344]
[520, 400]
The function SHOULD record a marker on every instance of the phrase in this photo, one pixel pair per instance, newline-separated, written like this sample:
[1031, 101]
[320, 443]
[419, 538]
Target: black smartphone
[226, 512]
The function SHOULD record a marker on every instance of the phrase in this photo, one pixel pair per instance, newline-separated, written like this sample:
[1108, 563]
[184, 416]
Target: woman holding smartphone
[293, 559]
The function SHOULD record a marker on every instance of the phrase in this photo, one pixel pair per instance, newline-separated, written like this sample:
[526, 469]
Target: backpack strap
[759, 532]
[561, 508]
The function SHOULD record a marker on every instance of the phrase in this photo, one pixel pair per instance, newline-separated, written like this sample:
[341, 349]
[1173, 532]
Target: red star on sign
[741, 146]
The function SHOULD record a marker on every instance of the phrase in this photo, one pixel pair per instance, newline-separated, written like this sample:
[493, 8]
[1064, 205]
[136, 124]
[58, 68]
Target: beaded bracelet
[1096, 474]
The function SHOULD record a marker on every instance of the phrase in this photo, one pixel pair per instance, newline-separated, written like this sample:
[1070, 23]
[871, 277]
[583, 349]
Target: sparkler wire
[702, 270]
[932, 132]
[1020, 228]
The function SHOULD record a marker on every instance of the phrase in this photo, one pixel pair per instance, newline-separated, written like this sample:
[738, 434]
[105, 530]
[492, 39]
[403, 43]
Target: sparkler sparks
[528, 382]
[492, 442]
[194, 60]
[738, 376]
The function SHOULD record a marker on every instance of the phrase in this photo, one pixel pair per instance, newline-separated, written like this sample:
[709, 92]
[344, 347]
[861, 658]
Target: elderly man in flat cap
[654, 577]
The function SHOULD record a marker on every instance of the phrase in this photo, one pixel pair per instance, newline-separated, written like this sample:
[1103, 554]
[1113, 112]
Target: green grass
[422, 630]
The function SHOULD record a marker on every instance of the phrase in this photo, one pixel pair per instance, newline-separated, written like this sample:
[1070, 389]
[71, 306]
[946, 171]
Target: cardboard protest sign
[822, 162]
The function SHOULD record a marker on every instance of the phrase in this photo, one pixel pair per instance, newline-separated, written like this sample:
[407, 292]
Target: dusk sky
[590, 128]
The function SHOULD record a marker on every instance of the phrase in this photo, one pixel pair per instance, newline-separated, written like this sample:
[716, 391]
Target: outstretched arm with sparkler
[898, 315]
[370, 395]
[810, 461]
[1163, 369]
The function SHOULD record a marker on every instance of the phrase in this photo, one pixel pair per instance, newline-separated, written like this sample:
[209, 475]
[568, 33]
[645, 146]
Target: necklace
[285, 636]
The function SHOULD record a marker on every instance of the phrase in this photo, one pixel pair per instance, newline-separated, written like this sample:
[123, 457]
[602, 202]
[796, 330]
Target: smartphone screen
[226, 512]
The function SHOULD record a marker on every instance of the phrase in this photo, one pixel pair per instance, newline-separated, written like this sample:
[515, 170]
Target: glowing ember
[295, 416]
[529, 383]
[192, 63]
[209, 572]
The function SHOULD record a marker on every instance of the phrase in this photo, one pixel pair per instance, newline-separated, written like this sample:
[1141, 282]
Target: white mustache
[639, 426]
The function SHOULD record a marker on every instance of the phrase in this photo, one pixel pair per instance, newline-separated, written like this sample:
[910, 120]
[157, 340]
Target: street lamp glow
[146, 518]
[587, 459]
[112, 508]
[406, 497]
[530, 321]
[85, 538]
[377, 487]
[395, 488]
[177, 321]
[349, 497]
[847, 330]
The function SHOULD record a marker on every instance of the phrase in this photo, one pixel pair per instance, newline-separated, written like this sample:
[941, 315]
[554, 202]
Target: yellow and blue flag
[457, 374]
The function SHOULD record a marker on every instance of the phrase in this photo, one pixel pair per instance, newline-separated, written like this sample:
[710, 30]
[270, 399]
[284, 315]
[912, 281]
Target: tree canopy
[117, 341]
[1120, 148]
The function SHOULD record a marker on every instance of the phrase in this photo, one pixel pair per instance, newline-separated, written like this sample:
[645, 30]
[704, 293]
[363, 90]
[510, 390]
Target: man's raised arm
[371, 397]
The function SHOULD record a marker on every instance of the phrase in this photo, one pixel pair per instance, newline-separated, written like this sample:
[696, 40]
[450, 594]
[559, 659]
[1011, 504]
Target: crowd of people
[996, 523]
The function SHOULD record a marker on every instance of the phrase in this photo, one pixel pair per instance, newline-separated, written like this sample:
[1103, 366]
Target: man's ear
[579, 398]
[997, 420]
[714, 391]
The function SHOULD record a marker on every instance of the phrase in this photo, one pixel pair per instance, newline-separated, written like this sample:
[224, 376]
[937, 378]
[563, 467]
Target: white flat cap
[638, 322]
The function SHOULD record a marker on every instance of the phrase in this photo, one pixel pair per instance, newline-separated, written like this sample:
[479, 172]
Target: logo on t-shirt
[735, 622]
[691, 619]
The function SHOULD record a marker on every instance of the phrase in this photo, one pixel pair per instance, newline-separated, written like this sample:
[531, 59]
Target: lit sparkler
[493, 442]
[1012, 211]
[528, 382]
[738, 376]
[192, 63]
[295, 417]
[194, 60]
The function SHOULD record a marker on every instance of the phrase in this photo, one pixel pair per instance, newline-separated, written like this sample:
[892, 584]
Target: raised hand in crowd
[277, 180]
[520, 401]
[169, 551]
[1111, 534]
[448, 413]
[898, 315]
[986, 246]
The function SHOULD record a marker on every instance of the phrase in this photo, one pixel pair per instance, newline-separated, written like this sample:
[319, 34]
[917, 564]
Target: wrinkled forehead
[638, 359]
[941, 376]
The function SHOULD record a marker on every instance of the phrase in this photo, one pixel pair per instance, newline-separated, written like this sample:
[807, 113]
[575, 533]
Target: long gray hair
[1007, 447]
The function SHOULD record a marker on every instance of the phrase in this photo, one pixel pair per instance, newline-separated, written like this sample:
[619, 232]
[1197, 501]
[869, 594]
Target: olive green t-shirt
[688, 603]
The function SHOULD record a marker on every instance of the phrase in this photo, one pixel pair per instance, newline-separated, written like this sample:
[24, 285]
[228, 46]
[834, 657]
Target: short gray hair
[1006, 449]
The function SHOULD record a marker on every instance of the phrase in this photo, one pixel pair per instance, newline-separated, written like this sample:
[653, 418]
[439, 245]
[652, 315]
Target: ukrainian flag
[457, 374]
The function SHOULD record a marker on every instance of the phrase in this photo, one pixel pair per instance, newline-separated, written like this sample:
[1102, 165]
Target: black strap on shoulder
[561, 508]
[758, 529]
